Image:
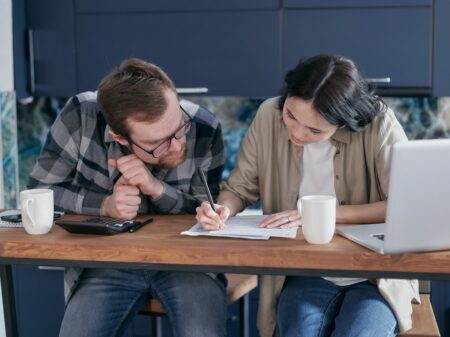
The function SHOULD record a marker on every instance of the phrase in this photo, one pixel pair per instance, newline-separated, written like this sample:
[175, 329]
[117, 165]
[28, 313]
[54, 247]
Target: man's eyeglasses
[162, 148]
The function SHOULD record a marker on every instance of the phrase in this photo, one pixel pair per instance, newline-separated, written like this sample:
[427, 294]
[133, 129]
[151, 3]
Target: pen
[139, 225]
[208, 192]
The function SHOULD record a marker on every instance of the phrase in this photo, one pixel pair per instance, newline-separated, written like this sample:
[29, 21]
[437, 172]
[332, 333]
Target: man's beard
[166, 162]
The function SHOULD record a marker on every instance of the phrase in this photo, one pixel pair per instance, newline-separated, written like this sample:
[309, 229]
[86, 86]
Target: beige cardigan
[268, 169]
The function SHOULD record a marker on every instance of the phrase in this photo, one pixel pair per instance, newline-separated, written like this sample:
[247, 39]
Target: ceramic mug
[37, 210]
[318, 217]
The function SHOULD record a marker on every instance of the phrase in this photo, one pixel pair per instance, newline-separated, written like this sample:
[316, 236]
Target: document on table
[245, 227]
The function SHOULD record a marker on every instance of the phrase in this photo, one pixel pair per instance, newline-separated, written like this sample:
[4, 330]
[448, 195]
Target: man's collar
[107, 136]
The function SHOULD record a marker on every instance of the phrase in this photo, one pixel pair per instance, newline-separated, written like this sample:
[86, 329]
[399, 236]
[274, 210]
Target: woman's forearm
[366, 213]
[230, 200]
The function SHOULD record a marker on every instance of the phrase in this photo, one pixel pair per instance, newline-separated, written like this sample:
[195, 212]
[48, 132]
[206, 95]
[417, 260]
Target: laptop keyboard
[378, 236]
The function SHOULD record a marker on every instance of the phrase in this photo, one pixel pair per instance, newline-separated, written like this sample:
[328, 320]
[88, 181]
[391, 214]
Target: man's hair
[134, 90]
[337, 90]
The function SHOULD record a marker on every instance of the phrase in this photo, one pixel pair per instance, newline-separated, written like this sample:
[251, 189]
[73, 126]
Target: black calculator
[98, 225]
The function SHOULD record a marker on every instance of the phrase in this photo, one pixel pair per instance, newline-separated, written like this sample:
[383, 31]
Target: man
[132, 148]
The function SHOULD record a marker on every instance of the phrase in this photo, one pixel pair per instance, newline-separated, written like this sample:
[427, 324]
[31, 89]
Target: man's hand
[123, 203]
[137, 174]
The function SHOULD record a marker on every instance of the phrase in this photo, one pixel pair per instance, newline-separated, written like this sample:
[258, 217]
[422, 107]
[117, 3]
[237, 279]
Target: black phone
[18, 217]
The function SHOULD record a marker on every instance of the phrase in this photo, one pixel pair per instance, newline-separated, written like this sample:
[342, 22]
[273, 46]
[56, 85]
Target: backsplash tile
[421, 117]
[9, 149]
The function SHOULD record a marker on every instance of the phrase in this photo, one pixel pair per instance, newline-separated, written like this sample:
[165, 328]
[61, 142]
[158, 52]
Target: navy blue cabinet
[231, 47]
[39, 295]
[386, 43]
[139, 6]
[441, 49]
[440, 298]
[51, 50]
[228, 52]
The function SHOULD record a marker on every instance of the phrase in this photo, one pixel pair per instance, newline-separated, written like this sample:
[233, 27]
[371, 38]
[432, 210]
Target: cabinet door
[440, 298]
[441, 50]
[39, 295]
[384, 42]
[120, 6]
[355, 3]
[230, 52]
[53, 59]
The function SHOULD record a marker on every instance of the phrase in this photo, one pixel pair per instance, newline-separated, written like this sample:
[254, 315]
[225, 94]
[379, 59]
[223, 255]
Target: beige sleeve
[390, 133]
[244, 179]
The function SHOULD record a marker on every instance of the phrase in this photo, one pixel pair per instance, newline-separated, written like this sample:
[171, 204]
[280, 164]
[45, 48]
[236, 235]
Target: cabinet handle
[31, 60]
[50, 268]
[378, 80]
[200, 90]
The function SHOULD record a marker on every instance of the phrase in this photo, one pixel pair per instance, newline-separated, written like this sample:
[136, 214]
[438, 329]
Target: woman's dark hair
[337, 90]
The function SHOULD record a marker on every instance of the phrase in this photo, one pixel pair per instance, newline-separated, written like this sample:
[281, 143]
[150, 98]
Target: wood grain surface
[160, 243]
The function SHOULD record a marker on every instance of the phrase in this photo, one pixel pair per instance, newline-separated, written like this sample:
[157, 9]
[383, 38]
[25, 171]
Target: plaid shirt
[74, 161]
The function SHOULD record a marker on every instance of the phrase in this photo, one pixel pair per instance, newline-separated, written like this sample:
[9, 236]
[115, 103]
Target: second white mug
[318, 217]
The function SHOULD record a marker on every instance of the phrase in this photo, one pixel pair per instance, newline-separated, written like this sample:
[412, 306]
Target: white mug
[318, 217]
[37, 210]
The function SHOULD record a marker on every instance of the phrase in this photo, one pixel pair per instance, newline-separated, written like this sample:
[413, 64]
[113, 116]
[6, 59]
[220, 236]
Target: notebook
[418, 206]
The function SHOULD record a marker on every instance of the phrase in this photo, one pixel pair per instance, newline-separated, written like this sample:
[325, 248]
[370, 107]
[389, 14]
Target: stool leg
[156, 326]
[244, 325]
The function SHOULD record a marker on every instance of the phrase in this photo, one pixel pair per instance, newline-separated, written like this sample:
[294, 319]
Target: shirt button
[337, 177]
[342, 202]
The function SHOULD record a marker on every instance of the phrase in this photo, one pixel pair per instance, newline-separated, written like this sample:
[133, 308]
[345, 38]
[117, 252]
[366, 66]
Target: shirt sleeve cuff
[92, 203]
[167, 200]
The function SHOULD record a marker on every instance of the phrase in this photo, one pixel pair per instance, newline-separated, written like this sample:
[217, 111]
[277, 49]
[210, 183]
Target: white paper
[246, 227]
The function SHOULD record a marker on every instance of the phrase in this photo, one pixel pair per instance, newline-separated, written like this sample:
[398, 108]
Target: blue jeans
[312, 306]
[106, 301]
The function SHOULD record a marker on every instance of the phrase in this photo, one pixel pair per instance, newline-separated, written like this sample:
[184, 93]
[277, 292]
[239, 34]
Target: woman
[326, 134]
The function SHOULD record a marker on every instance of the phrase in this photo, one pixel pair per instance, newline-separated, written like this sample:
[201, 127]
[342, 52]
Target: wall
[7, 110]
[6, 52]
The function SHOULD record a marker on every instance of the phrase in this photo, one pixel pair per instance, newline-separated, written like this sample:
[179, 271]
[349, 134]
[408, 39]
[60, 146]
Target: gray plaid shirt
[74, 161]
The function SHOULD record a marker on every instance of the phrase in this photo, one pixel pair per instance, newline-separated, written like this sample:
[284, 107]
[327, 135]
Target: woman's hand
[286, 219]
[211, 220]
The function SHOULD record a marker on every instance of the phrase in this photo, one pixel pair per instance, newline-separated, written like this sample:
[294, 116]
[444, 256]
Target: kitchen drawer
[355, 3]
[230, 53]
[393, 43]
[139, 6]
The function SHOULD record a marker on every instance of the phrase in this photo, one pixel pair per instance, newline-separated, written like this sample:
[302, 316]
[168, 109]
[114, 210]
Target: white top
[318, 178]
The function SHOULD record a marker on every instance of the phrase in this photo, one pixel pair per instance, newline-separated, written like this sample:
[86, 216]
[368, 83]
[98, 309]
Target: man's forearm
[75, 199]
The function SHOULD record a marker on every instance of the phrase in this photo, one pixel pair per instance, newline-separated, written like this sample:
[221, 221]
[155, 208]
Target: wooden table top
[160, 245]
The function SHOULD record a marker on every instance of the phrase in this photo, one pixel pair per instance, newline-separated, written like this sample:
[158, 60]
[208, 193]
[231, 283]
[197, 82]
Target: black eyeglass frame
[186, 126]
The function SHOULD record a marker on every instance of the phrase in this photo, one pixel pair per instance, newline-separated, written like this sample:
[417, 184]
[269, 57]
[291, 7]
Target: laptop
[418, 206]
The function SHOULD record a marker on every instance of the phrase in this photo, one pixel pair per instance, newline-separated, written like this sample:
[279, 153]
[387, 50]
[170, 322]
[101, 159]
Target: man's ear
[120, 139]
